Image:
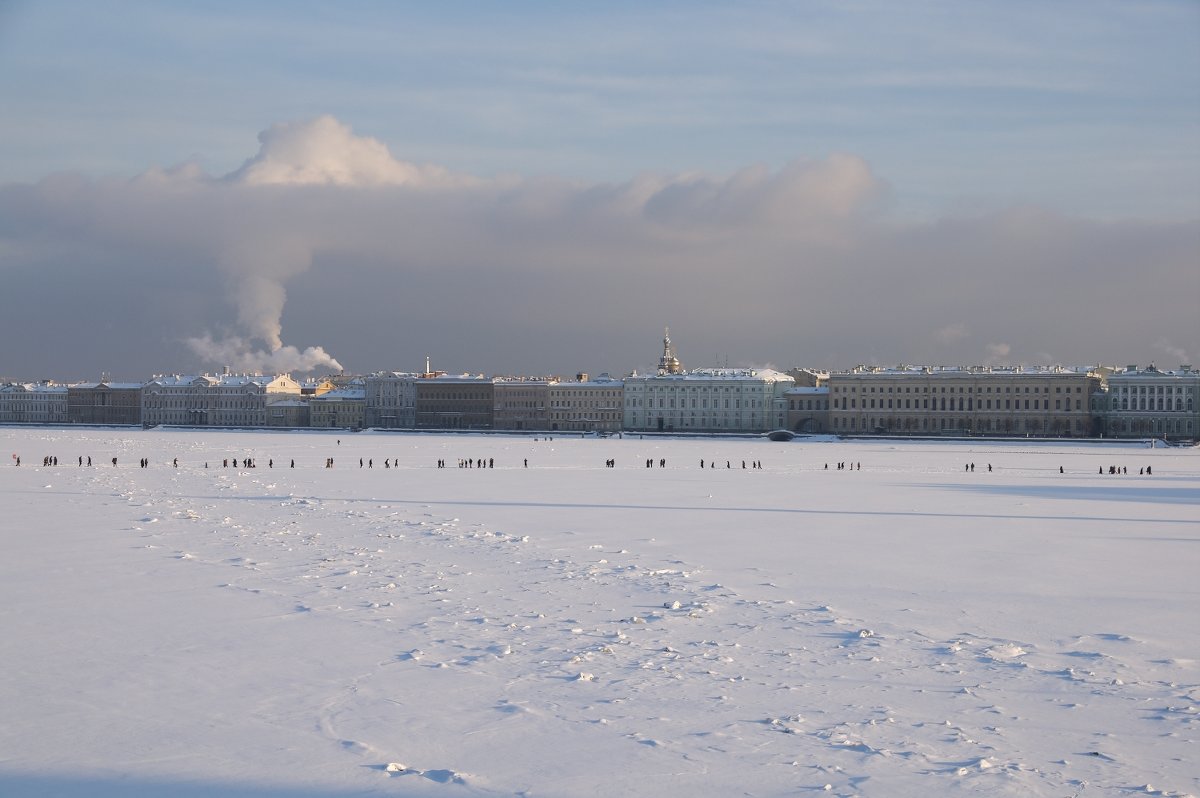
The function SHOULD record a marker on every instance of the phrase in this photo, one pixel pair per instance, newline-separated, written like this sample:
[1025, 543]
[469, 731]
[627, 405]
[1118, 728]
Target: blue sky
[1089, 108]
[542, 187]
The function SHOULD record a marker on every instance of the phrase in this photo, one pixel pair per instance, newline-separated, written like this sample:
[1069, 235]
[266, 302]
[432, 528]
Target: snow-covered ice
[910, 628]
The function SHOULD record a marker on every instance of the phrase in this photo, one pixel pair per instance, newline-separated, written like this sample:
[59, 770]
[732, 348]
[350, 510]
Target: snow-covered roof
[33, 387]
[115, 386]
[714, 374]
[1152, 372]
[947, 372]
[593, 383]
[392, 375]
[221, 380]
[341, 395]
[477, 378]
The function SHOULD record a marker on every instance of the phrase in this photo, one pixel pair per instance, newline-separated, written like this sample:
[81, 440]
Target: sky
[536, 188]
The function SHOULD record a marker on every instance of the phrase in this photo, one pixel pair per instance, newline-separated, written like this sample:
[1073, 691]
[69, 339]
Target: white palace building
[1148, 402]
[224, 400]
[705, 400]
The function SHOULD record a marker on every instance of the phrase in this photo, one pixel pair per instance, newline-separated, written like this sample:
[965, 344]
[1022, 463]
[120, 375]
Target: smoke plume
[240, 355]
[261, 258]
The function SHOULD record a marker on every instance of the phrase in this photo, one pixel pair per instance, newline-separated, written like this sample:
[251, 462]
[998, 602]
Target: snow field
[910, 628]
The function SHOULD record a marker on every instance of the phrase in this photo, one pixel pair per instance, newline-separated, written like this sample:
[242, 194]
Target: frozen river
[553, 626]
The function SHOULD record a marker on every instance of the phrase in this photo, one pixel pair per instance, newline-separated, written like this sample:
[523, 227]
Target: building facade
[391, 400]
[454, 402]
[587, 405]
[707, 400]
[33, 403]
[343, 408]
[807, 409]
[288, 413]
[521, 403]
[1149, 403]
[226, 400]
[117, 403]
[1043, 402]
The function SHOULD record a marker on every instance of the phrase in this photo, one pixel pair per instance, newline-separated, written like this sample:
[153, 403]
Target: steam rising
[319, 152]
[238, 354]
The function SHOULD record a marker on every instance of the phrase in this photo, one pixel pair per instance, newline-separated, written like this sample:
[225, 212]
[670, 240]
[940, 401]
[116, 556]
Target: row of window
[705, 388]
[188, 404]
[953, 389]
[634, 401]
[602, 416]
[1143, 390]
[1149, 403]
[926, 424]
[966, 404]
[1174, 426]
[694, 422]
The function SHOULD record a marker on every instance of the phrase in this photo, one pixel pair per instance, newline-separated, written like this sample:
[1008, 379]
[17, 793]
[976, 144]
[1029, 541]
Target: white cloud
[323, 151]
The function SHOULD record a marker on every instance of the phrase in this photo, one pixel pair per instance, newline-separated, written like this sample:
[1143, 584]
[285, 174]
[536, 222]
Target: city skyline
[534, 190]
